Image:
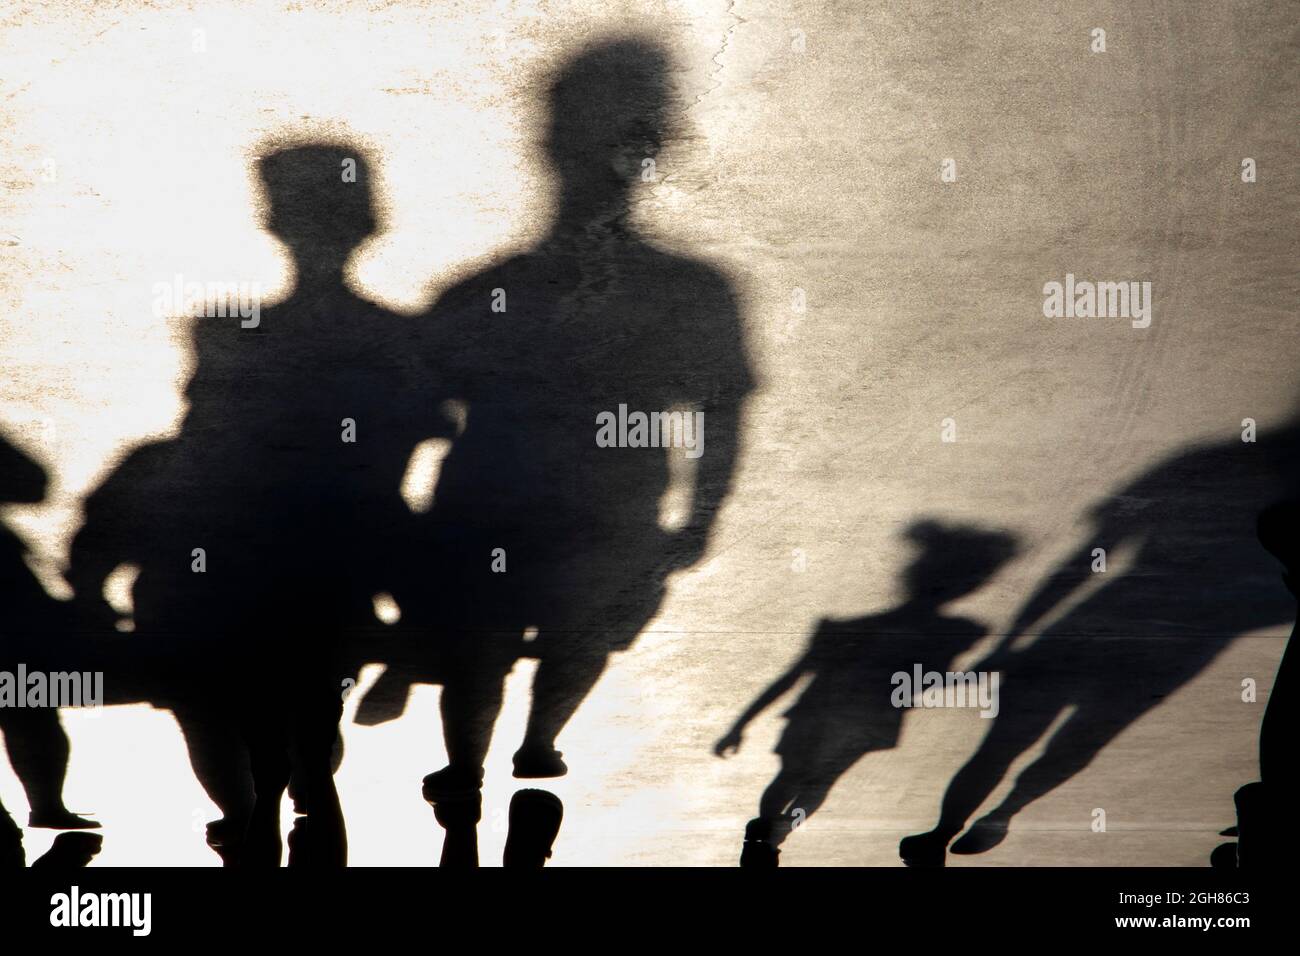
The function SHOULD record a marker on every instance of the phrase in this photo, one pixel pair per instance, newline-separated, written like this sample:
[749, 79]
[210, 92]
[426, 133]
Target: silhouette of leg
[12, 856]
[802, 797]
[269, 761]
[459, 817]
[809, 769]
[1076, 742]
[1263, 808]
[766, 832]
[568, 670]
[318, 838]
[470, 704]
[220, 763]
[38, 751]
[1012, 733]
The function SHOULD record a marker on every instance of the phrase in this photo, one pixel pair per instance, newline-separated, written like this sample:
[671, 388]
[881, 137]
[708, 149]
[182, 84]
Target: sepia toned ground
[808, 167]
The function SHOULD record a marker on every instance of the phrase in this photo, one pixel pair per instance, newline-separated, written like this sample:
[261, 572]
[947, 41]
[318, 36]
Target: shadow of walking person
[852, 704]
[591, 368]
[1264, 806]
[145, 517]
[35, 631]
[264, 530]
[1196, 580]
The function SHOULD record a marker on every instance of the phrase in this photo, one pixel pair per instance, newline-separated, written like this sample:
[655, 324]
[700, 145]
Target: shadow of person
[264, 529]
[1197, 578]
[1279, 532]
[35, 631]
[565, 357]
[1264, 806]
[168, 649]
[853, 703]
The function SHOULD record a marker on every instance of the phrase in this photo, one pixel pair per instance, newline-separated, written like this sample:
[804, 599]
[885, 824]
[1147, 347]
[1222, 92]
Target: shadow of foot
[539, 763]
[923, 849]
[1224, 856]
[226, 838]
[984, 835]
[758, 851]
[60, 820]
[70, 851]
[535, 817]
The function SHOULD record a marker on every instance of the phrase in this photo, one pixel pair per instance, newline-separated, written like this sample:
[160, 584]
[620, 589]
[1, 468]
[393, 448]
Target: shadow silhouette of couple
[264, 530]
[1196, 579]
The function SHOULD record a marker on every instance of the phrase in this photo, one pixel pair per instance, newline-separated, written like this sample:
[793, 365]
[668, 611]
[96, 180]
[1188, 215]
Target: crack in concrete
[715, 78]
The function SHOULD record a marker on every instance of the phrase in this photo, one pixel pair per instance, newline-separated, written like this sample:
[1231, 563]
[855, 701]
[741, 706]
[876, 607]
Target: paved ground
[814, 169]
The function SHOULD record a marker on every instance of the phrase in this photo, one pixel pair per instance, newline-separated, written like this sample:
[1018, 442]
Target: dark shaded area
[1264, 806]
[1198, 579]
[29, 617]
[262, 532]
[850, 706]
[533, 525]
[265, 528]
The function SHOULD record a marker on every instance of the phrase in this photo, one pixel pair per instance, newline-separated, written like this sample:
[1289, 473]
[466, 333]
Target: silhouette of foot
[59, 819]
[1224, 856]
[70, 851]
[983, 836]
[535, 817]
[316, 842]
[226, 838]
[758, 852]
[538, 763]
[759, 855]
[453, 782]
[923, 849]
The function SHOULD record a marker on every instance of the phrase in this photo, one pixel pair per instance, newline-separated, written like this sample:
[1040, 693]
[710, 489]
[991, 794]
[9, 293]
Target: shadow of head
[319, 202]
[953, 560]
[611, 108]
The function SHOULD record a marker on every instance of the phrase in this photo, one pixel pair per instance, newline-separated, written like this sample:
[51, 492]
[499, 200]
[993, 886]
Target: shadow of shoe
[759, 855]
[533, 763]
[983, 836]
[923, 849]
[60, 820]
[535, 817]
[70, 851]
[1224, 857]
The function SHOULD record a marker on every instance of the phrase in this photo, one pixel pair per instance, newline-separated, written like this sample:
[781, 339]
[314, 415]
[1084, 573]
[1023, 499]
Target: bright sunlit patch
[118, 586]
[457, 412]
[386, 609]
[675, 502]
[422, 471]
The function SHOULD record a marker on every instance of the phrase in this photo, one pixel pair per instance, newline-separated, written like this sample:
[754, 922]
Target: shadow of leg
[1073, 746]
[38, 750]
[1012, 734]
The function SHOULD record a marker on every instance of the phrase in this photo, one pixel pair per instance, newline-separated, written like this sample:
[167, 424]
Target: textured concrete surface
[815, 134]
